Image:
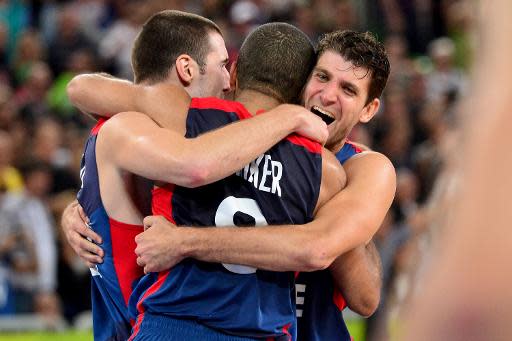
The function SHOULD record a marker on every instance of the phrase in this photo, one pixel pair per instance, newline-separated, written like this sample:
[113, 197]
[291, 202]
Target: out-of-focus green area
[356, 328]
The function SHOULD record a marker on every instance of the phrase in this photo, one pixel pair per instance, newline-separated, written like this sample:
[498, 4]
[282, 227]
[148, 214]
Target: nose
[329, 94]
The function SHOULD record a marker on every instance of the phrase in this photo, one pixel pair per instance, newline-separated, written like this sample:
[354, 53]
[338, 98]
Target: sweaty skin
[368, 165]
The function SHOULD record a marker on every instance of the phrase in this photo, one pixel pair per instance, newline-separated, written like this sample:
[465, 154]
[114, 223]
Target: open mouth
[326, 116]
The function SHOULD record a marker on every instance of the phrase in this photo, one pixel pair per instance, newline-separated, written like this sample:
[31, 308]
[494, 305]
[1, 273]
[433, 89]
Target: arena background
[44, 292]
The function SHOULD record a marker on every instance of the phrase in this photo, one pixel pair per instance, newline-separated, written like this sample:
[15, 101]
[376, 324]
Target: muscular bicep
[354, 214]
[371, 182]
[135, 143]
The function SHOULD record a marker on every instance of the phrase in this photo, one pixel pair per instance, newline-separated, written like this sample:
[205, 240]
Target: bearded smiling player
[349, 92]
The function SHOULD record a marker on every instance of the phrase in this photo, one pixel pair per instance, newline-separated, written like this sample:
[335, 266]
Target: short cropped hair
[276, 59]
[165, 36]
[362, 49]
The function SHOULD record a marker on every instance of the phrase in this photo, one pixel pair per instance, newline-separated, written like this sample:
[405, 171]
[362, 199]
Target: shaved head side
[276, 59]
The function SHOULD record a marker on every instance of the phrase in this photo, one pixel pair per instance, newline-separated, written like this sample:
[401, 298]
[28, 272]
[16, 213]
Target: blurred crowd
[43, 44]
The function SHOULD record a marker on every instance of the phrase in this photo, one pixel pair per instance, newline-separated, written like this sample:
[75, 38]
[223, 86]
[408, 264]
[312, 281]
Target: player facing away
[346, 87]
[337, 87]
[212, 301]
[140, 141]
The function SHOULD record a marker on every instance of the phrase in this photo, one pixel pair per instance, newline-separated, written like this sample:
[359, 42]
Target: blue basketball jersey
[319, 302]
[280, 187]
[112, 280]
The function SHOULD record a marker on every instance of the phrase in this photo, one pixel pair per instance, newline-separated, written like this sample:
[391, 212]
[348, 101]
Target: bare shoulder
[127, 122]
[332, 169]
[370, 159]
[334, 178]
[372, 167]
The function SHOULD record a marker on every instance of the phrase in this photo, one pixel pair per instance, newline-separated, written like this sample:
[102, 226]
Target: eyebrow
[319, 68]
[348, 84]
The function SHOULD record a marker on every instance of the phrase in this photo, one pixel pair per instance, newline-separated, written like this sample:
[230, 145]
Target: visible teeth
[326, 116]
[325, 112]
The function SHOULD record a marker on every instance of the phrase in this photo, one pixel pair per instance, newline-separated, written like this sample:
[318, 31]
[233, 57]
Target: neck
[336, 147]
[158, 93]
[254, 101]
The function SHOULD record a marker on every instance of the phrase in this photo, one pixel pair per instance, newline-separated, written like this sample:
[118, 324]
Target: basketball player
[103, 195]
[334, 84]
[372, 173]
[209, 301]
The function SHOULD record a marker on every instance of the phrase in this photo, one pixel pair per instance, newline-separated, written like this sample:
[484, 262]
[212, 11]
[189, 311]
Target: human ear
[369, 110]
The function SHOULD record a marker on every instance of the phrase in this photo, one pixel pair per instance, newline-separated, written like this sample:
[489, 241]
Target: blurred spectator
[17, 255]
[116, 45]
[10, 178]
[80, 61]
[29, 51]
[92, 14]
[69, 39]
[388, 239]
[446, 82]
[30, 97]
[73, 274]
[14, 16]
[48, 147]
[39, 225]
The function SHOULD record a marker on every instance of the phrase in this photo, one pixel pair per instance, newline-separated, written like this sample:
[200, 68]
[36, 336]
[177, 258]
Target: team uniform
[319, 302]
[209, 301]
[112, 280]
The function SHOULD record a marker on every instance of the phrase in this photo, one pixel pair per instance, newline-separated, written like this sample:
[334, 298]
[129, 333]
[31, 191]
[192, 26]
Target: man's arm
[74, 224]
[167, 104]
[358, 276]
[133, 142]
[93, 94]
[344, 222]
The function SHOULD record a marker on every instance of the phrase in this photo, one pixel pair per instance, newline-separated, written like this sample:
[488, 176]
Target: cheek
[308, 93]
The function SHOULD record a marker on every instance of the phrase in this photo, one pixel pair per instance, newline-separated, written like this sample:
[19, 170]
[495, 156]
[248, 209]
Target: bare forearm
[224, 151]
[160, 154]
[92, 94]
[276, 248]
[358, 276]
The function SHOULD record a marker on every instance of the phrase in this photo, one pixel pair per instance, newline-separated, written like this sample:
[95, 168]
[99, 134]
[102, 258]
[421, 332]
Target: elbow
[367, 304]
[196, 176]
[316, 256]
[73, 90]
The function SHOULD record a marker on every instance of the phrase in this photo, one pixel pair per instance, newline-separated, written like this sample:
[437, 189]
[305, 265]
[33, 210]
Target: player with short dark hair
[284, 77]
[338, 88]
[212, 301]
[160, 33]
[334, 82]
[139, 141]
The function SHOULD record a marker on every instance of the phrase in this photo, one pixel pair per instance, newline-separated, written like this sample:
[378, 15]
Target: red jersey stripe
[123, 254]
[313, 147]
[356, 148]
[98, 125]
[162, 276]
[162, 201]
[221, 104]
[338, 299]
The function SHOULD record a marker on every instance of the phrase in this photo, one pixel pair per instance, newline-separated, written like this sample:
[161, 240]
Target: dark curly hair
[362, 49]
